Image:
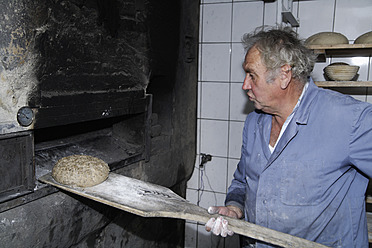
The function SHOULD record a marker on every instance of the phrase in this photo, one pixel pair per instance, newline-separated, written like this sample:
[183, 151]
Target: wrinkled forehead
[253, 59]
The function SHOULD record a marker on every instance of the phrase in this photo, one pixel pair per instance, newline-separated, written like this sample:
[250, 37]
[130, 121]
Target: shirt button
[264, 201]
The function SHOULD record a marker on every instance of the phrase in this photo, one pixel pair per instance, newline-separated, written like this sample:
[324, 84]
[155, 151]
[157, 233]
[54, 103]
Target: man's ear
[285, 76]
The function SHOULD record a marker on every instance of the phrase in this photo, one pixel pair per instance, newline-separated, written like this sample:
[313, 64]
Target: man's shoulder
[335, 99]
[336, 106]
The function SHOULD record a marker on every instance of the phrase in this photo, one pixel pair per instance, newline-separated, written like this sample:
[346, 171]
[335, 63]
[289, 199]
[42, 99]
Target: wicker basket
[341, 71]
[327, 38]
[364, 38]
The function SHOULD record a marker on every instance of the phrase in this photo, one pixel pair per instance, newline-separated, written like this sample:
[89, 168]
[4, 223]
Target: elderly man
[307, 152]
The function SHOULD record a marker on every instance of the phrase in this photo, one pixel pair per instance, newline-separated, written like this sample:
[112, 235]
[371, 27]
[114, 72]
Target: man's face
[262, 93]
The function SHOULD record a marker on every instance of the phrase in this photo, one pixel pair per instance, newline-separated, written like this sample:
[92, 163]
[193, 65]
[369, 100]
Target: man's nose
[247, 82]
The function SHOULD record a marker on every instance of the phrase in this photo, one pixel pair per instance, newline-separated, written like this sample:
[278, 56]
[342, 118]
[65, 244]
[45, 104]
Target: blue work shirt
[313, 184]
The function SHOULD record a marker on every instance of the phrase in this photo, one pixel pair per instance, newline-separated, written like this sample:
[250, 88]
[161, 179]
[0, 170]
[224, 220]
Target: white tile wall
[215, 62]
[216, 1]
[214, 100]
[237, 59]
[315, 16]
[215, 173]
[350, 19]
[214, 137]
[235, 139]
[218, 17]
[193, 183]
[246, 17]
[211, 198]
[270, 13]
[240, 106]
[223, 105]
[231, 169]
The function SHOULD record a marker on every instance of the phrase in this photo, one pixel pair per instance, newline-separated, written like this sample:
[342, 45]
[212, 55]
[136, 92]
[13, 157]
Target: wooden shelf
[344, 83]
[342, 49]
[341, 46]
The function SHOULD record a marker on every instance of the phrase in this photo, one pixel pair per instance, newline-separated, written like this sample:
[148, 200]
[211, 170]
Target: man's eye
[251, 76]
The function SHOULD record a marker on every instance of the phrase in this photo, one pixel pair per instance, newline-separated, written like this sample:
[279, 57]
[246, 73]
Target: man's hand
[229, 211]
[219, 226]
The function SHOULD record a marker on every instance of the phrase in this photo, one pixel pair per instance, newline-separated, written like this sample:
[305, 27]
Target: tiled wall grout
[334, 15]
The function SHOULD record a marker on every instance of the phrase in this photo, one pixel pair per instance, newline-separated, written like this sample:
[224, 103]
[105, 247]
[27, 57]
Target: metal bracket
[285, 13]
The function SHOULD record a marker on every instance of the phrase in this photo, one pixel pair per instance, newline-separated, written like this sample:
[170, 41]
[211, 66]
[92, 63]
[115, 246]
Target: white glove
[217, 226]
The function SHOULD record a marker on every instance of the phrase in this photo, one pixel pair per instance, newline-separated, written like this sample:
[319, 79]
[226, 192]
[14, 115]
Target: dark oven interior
[115, 79]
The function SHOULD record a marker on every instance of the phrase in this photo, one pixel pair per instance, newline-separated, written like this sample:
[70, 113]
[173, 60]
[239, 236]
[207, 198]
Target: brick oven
[115, 79]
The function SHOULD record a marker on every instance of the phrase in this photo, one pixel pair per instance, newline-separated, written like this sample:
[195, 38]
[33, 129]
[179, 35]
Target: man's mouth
[251, 98]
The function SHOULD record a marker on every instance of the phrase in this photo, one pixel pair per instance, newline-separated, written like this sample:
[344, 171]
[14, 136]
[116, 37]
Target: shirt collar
[305, 101]
[300, 98]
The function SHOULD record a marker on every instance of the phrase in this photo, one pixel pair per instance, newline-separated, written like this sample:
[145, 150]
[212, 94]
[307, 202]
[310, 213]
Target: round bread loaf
[364, 38]
[327, 38]
[80, 170]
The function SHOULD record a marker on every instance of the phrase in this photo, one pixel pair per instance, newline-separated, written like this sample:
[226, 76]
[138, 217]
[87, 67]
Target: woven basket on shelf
[341, 71]
[364, 38]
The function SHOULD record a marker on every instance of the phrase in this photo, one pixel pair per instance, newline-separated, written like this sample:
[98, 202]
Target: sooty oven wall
[103, 53]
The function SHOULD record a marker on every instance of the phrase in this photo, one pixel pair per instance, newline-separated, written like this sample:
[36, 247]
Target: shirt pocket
[301, 183]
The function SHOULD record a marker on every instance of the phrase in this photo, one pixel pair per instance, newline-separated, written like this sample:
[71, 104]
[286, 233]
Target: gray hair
[278, 47]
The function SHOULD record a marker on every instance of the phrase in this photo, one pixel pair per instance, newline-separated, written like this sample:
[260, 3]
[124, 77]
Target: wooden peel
[151, 200]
